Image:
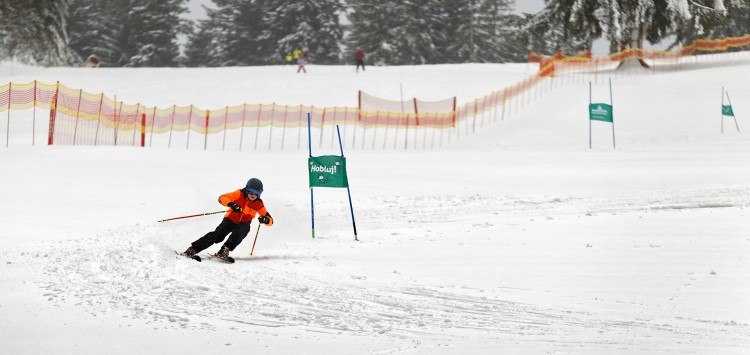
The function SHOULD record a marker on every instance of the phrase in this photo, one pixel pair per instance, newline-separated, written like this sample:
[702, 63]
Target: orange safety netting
[550, 65]
[413, 112]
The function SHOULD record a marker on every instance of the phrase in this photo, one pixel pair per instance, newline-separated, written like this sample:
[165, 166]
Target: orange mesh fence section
[370, 103]
[5, 93]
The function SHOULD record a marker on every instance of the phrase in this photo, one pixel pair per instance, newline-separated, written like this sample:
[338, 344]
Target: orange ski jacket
[249, 208]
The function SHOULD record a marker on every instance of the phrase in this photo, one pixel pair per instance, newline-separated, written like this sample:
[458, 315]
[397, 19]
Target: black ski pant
[239, 232]
[362, 63]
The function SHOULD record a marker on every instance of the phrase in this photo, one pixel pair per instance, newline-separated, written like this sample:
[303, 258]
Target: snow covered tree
[437, 31]
[207, 45]
[479, 31]
[305, 23]
[260, 32]
[738, 24]
[202, 49]
[90, 30]
[152, 28]
[243, 24]
[710, 19]
[377, 26]
[629, 23]
[34, 31]
[127, 32]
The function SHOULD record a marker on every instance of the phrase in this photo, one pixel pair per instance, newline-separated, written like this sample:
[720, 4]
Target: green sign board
[327, 171]
[726, 110]
[600, 112]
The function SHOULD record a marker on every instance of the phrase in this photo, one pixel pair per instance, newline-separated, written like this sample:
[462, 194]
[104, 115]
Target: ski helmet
[255, 186]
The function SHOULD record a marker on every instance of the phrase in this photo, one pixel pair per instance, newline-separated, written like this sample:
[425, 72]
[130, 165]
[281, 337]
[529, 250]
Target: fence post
[406, 133]
[143, 129]
[333, 133]
[114, 115]
[153, 121]
[257, 127]
[299, 128]
[474, 124]
[270, 125]
[98, 118]
[359, 105]
[171, 127]
[33, 118]
[135, 123]
[205, 136]
[190, 123]
[7, 128]
[454, 113]
[78, 112]
[117, 122]
[322, 124]
[283, 130]
[242, 129]
[224, 140]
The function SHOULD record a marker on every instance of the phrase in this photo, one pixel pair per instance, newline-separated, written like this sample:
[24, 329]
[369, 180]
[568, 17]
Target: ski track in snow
[135, 273]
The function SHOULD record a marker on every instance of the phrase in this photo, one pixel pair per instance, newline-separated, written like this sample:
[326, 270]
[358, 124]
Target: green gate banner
[600, 112]
[726, 110]
[327, 171]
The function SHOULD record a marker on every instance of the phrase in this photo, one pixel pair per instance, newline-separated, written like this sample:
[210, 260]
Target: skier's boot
[223, 254]
[190, 253]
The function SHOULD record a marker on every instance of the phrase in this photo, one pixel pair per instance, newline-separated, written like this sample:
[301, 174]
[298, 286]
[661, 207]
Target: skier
[301, 61]
[359, 57]
[244, 203]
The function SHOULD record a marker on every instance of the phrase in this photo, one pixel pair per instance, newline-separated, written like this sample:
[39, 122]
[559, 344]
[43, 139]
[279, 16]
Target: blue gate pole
[589, 114]
[733, 116]
[612, 107]
[312, 200]
[348, 192]
[722, 110]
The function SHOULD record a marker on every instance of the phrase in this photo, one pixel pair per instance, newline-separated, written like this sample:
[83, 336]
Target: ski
[228, 259]
[194, 257]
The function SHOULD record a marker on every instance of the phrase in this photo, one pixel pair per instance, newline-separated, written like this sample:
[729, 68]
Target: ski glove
[264, 219]
[234, 207]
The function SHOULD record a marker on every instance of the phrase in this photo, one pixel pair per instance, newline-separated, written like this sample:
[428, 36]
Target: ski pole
[195, 215]
[256, 239]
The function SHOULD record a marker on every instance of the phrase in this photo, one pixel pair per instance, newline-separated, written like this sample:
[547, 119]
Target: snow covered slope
[516, 239]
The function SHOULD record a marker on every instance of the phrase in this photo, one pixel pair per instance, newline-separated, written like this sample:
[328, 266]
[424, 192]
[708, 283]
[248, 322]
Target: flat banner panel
[327, 171]
[726, 110]
[600, 112]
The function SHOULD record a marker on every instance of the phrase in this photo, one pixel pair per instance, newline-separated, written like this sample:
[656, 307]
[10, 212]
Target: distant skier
[359, 57]
[301, 61]
[245, 203]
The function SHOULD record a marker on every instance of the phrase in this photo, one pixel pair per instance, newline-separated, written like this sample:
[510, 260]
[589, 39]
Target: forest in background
[145, 33]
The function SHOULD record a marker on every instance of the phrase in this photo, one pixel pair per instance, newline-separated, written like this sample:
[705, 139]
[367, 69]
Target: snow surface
[515, 239]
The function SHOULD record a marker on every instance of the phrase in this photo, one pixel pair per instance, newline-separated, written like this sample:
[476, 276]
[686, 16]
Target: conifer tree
[202, 49]
[313, 24]
[436, 31]
[629, 23]
[34, 31]
[91, 32]
[128, 32]
[152, 28]
[480, 33]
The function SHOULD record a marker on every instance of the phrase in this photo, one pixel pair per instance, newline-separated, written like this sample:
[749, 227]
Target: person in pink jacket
[301, 61]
